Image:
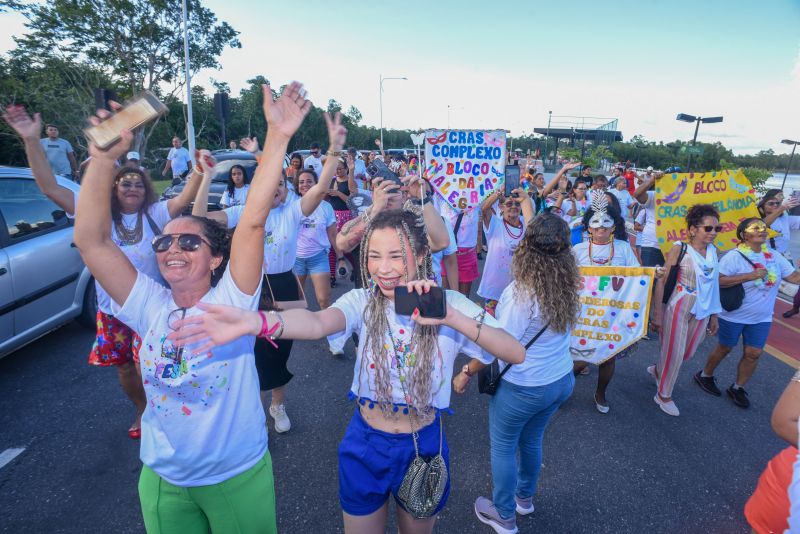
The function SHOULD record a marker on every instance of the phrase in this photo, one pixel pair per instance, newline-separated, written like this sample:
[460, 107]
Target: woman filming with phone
[401, 375]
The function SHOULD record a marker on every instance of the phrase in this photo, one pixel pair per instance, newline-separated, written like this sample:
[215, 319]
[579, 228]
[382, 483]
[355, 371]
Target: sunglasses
[127, 184]
[772, 203]
[709, 228]
[512, 204]
[186, 242]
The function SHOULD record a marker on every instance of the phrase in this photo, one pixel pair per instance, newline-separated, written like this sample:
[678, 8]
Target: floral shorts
[116, 343]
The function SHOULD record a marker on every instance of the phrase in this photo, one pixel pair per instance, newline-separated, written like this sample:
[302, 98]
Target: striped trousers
[681, 334]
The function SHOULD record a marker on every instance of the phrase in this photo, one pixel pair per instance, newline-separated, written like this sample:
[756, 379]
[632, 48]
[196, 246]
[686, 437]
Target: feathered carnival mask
[600, 217]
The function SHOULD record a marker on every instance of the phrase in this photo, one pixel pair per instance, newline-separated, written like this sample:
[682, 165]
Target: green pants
[244, 504]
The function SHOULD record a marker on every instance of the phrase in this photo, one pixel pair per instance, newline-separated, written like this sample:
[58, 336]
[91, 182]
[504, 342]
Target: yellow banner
[728, 191]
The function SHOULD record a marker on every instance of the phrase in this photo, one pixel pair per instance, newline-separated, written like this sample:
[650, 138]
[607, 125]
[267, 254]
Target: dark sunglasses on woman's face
[511, 204]
[186, 242]
[709, 228]
[772, 203]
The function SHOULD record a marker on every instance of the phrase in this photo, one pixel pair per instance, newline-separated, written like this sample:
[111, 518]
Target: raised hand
[381, 191]
[26, 126]
[206, 160]
[285, 115]
[117, 150]
[571, 165]
[337, 133]
[249, 144]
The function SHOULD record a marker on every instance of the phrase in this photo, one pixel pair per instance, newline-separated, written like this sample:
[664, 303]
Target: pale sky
[506, 64]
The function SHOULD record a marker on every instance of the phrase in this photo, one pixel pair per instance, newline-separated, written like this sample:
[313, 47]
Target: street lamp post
[380, 97]
[691, 118]
[188, 73]
[789, 166]
[547, 136]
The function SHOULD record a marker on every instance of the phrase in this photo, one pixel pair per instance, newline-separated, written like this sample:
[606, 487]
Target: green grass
[160, 185]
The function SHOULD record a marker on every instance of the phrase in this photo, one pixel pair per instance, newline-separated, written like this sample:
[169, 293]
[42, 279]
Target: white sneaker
[668, 407]
[282, 423]
[602, 408]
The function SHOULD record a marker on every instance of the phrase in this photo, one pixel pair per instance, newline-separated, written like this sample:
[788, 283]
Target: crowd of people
[198, 312]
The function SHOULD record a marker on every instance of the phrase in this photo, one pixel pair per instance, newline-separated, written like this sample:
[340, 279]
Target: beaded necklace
[601, 262]
[510, 233]
[771, 266]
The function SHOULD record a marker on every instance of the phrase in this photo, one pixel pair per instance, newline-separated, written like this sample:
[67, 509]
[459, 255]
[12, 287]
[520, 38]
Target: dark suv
[225, 160]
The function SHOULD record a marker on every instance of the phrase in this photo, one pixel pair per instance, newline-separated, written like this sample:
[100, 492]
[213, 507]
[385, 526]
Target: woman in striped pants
[691, 311]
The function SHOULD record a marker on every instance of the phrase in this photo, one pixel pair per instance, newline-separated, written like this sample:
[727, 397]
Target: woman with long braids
[136, 217]
[342, 188]
[607, 246]
[691, 311]
[402, 369]
[207, 466]
[281, 285]
[538, 308]
[236, 192]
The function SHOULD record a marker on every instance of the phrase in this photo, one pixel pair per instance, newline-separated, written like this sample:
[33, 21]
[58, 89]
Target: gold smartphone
[142, 109]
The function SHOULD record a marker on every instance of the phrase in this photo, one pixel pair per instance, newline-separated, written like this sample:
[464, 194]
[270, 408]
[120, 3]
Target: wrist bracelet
[334, 153]
[280, 323]
[480, 323]
[265, 331]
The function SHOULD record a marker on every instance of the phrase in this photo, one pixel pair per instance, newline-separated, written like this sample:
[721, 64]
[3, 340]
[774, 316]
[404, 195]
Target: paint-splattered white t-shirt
[203, 423]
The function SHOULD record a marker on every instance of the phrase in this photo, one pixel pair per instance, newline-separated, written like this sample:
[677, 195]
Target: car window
[223, 169]
[26, 210]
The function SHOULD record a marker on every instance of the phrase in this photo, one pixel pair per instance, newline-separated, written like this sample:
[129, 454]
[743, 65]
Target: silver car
[43, 281]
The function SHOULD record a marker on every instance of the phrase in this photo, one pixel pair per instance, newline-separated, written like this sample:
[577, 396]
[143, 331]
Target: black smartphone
[144, 108]
[512, 179]
[432, 304]
[378, 169]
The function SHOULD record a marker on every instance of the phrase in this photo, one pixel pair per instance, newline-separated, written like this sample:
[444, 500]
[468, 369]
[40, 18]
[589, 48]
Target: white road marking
[9, 454]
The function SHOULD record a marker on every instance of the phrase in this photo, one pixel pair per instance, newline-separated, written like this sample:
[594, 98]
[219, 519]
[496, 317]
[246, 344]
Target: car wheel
[88, 316]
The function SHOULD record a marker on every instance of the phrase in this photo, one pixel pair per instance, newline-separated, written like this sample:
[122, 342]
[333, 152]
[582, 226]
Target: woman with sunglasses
[578, 204]
[692, 309]
[402, 369]
[773, 208]
[236, 192]
[204, 442]
[503, 234]
[136, 217]
[760, 270]
[607, 246]
[285, 220]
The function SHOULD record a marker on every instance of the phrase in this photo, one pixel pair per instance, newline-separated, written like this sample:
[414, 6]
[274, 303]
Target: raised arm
[526, 205]
[284, 116]
[351, 175]
[176, 205]
[554, 182]
[640, 193]
[351, 233]
[337, 134]
[487, 204]
[92, 236]
[788, 204]
[30, 129]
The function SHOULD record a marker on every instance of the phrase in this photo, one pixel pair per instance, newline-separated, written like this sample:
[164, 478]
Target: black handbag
[489, 377]
[731, 298]
[672, 277]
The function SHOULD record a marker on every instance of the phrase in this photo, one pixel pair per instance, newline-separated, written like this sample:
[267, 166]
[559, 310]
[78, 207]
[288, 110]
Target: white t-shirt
[625, 200]
[280, 233]
[784, 226]
[623, 255]
[180, 160]
[759, 302]
[437, 257]
[204, 422]
[648, 237]
[501, 245]
[313, 236]
[238, 197]
[641, 218]
[141, 254]
[548, 359]
[313, 163]
[467, 236]
[450, 343]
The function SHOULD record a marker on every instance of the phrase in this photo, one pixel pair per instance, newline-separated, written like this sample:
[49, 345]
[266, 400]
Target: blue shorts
[755, 335]
[372, 463]
[316, 264]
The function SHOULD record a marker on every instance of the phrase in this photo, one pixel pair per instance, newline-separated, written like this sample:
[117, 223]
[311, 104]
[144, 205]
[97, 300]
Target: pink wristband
[265, 331]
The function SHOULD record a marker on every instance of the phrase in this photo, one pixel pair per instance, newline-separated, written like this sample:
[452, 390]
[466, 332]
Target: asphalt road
[632, 470]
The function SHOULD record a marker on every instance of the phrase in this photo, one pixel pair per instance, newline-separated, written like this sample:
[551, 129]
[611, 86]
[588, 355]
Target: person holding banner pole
[759, 270]
[651, 253]
[606, 246]
[691, 310]
[542, 301]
